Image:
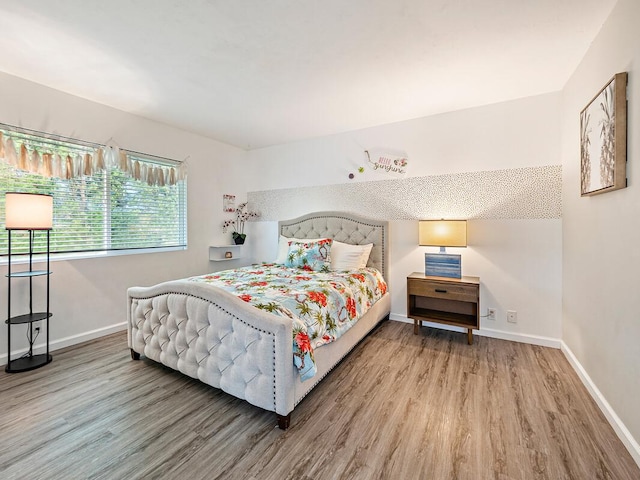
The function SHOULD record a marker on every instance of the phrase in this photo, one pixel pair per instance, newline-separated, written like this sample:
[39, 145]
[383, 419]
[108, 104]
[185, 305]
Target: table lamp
[443, 233]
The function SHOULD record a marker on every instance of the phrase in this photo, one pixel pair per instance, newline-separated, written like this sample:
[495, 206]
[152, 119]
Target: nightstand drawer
[435, 289]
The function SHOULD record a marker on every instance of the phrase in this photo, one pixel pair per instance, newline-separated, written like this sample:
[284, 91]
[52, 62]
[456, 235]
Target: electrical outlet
[491, 314]
[512, 316]
[37, 329]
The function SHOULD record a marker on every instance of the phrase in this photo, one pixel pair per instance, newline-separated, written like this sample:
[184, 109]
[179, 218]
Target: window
[102, 209]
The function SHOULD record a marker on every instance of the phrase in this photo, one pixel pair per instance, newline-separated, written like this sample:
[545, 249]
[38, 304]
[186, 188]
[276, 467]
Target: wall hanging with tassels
[60, 157]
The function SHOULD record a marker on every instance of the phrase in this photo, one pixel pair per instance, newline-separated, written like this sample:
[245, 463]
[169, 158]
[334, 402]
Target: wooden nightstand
[451, 301]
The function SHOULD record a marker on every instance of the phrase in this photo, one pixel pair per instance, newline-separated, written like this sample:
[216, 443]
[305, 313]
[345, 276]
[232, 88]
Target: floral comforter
[322, 305]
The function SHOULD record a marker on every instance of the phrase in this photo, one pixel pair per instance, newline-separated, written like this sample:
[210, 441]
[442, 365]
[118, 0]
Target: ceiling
[253, 73]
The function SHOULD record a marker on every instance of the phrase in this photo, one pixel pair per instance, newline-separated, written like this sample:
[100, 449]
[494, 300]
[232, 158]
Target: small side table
[450, 301]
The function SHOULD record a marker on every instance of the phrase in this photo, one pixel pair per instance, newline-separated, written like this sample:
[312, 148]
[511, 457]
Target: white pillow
[283, 247]
[345, 256]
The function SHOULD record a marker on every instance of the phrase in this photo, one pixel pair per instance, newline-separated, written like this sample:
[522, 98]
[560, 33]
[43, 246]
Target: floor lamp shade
[28, 211]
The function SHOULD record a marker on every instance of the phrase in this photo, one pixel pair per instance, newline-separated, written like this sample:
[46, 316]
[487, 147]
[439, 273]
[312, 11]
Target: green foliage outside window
[108, 210]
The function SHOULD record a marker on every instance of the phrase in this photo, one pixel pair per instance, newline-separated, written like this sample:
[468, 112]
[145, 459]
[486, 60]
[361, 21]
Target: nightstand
[450, 301]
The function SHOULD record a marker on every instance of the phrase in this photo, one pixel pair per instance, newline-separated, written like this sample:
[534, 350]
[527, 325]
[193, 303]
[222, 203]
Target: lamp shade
[443, 233]
[28, 211]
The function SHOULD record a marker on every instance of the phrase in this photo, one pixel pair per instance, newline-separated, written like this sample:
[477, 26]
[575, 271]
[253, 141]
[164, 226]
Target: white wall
[601, 251]
[90, 295]
[518, 260]
[522, 133]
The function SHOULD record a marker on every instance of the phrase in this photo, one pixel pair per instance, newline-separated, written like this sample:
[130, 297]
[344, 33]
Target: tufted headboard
[343, 227]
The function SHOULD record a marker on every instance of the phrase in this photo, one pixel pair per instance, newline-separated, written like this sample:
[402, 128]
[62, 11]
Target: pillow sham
[283, 247]
[345, 256]
[309, 255]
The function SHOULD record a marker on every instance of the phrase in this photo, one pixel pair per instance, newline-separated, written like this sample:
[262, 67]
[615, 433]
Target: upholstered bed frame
[210, 334]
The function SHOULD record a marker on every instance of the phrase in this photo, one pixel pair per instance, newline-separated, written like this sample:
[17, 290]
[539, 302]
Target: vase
[239, 238]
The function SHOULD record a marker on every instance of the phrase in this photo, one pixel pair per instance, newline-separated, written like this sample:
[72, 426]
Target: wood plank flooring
[400, 406]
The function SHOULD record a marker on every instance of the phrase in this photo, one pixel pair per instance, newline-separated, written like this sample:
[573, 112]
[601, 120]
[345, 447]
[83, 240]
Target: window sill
[63, 257]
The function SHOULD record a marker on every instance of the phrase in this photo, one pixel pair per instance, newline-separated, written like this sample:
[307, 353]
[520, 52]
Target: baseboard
[69, 341]
[616, 423]
[487, 332]
[521, 337]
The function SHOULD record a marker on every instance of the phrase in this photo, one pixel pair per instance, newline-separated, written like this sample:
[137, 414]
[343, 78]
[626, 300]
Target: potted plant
[242, 215]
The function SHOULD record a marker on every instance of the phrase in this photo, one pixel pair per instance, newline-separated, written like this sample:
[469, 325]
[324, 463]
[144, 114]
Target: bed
[210, 334]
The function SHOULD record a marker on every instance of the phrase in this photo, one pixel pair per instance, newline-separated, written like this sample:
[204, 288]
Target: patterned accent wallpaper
[519, 193]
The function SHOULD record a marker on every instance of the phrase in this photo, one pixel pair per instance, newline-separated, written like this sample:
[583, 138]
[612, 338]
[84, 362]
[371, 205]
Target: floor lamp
[28, 212]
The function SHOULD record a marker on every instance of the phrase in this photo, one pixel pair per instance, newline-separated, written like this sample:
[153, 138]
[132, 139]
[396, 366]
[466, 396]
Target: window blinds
[103, 209]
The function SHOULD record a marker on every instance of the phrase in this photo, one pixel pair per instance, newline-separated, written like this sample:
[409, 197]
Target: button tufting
[202, 340]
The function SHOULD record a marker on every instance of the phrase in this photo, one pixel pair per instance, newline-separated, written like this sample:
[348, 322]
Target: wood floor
[400, 406]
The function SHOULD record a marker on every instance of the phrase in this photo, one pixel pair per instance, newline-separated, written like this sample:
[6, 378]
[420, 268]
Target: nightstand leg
[470, 336]
[416, 327]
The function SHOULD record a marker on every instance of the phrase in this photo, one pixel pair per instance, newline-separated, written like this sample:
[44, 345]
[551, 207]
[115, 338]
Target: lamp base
[443, 265]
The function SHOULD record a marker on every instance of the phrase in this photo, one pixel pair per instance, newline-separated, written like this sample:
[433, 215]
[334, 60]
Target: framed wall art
[603, 139]
[228, 203]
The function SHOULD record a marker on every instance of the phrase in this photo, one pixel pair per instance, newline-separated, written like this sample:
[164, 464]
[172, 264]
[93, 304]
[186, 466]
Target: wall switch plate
[491, 314]
[512, 316]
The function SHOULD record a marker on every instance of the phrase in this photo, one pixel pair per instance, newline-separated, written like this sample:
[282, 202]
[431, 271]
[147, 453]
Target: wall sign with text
[385, 161]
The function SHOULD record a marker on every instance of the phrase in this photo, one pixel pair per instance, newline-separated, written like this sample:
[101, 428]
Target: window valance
[60, 157]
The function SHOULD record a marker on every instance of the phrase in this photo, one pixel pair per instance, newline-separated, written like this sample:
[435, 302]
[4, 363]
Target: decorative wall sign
[387, 162]
[228, 203]
[603, 139]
